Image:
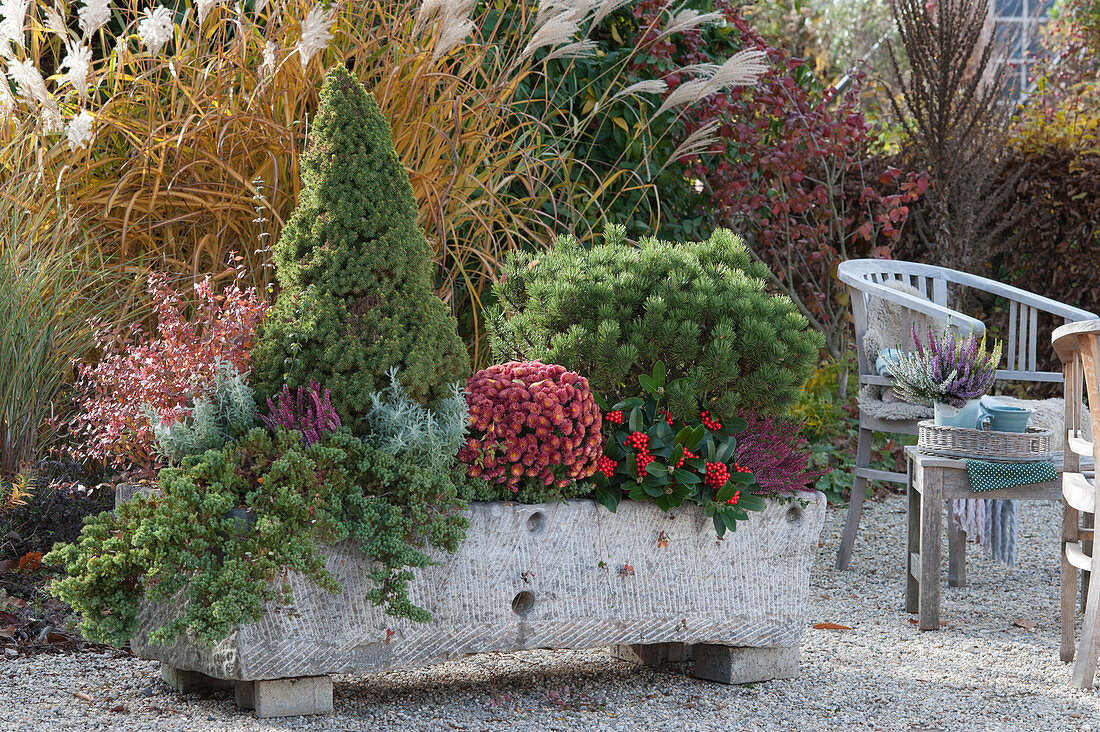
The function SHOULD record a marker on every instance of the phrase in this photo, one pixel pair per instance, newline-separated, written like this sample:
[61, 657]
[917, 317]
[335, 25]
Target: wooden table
[933, 480]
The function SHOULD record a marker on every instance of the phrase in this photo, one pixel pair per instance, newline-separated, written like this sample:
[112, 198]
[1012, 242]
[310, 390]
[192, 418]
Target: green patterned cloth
[987, 476]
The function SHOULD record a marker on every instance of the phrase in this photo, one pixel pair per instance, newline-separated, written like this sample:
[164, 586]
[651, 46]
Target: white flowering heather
[205, 6]
[155, 29]
[93, 15]
[77, 63]
[13, 18]
[950, 370]
[316, 33]
[79, 130]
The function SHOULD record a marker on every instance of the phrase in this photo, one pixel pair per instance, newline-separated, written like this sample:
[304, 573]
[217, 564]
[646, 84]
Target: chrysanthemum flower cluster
[531, 422]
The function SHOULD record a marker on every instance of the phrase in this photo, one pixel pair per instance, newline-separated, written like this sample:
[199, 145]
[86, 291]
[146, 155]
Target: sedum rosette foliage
[532, 423]
[612, 311]
[950, 369]
[228, 525]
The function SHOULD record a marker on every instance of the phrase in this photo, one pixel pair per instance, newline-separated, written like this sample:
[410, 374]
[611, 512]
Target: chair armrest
[957, 320]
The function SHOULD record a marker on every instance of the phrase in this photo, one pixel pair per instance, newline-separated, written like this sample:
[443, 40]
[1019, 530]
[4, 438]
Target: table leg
[931, 523]
[912, 543]
[956, 552]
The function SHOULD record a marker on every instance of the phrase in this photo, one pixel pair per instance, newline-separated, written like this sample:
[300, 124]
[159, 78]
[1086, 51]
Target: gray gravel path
[980, 672]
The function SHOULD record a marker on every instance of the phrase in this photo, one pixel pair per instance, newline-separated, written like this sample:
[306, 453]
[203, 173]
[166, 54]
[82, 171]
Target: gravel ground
[980, 672]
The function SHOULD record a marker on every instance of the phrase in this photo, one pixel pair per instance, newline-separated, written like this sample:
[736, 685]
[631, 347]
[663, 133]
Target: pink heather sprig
[307, 410]
[775, 451]
[531, 421]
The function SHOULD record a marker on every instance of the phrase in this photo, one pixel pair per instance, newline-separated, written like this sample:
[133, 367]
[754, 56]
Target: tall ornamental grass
[53, 288]
[183, 122]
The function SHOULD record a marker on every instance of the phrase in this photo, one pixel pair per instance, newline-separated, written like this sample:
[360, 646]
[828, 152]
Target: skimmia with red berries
[668, 459]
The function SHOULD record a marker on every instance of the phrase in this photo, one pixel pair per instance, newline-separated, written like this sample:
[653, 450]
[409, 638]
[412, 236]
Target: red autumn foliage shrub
[778, 456]
[532, 422]
[785, 153]
[165, 369]
[306, 410]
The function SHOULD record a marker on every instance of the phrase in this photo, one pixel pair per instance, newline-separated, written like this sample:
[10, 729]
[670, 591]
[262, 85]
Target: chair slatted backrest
[867, 278]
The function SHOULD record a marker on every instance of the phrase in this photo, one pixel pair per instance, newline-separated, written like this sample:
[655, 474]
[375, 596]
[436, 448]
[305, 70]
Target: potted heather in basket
[951, 371]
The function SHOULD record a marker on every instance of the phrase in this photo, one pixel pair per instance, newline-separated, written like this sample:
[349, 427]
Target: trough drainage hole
[534, 521]
[523, 602]
[794, 513]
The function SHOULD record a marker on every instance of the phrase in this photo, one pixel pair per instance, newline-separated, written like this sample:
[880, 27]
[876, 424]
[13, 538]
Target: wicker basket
[959, 442]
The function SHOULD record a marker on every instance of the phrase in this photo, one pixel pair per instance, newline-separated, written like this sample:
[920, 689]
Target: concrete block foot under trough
[561, 575]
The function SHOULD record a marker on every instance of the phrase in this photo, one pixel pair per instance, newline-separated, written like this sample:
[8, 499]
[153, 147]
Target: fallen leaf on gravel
[914, 622]
[118, 708]
[9, 565]
[56, 638]
[8, 631]
[82, 695]
[1025, 623]
[830, 626]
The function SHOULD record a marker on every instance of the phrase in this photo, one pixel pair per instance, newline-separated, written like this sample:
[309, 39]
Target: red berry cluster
[741, 468]
[640, 442]
[717, 475]
[667, 415]
[687, 454]
[736, 497]
[606, 465]
[709, 422]
[615, 417]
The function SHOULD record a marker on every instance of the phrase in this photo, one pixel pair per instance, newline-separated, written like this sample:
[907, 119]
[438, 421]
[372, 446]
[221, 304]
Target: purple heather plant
[951, 369]
[778, 456]
[308, 411]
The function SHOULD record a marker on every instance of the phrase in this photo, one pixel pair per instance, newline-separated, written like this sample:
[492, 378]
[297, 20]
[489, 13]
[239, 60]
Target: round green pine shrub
[355, 271]
[534, 424]
[612, 311]
[191, 545]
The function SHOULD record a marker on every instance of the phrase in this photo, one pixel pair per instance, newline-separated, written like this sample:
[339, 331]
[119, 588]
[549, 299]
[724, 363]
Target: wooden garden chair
[1078, 347]
[923, 293]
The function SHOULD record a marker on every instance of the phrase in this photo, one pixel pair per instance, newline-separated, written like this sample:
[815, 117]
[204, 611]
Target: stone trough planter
[565, 575]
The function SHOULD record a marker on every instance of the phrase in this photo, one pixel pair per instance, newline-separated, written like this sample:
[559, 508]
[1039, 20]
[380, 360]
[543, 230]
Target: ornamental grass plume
[155, 28]
[185, 136]
[93, 15]
[950, 369]
[78, 62]
[316, 33]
